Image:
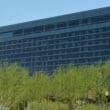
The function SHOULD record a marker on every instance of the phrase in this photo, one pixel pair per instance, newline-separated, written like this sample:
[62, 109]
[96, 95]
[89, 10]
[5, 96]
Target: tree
[12, 84]
[67, 83]
[39, 86]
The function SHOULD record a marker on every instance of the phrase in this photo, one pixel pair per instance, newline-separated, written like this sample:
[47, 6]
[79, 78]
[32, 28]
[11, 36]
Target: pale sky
[17, 11]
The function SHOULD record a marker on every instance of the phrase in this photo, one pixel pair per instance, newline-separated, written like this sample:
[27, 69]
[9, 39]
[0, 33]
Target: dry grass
[47, 106]
[59, 106]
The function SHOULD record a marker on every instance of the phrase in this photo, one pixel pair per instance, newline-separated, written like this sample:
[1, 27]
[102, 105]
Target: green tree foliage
[38, 86]
[67, 84]
[106, 73]
[12, 84]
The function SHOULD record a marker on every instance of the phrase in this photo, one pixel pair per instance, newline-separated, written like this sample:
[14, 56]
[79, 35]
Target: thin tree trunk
[70, 105]
[21, 106]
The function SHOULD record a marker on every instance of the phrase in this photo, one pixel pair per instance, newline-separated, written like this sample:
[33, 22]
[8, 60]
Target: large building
[78, 38]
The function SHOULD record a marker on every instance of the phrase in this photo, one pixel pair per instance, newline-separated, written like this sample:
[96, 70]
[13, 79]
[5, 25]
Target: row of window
[61, 61]
[86, 34]
[58, 54]
[29, 47]
[57, 44]
[60, 25]
[64, 37]
[51, 65]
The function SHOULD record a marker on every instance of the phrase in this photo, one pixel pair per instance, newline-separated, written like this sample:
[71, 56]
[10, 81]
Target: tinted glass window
[61, 25]
[18, 32]
[28, 30]
[38, 29]
[74, 23]
[49, 27]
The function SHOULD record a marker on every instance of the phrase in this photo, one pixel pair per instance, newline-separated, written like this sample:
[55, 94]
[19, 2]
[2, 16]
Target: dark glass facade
[79, 38]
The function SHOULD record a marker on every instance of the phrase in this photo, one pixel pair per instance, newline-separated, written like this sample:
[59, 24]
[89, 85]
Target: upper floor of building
[56, 24]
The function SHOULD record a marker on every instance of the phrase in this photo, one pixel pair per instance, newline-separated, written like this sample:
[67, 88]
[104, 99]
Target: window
[28, 31]
[63, 35]
[61, 25]
[49, 27]
[90, 31]
[95, 19]
[18, 32]
[105, 29]
[85, 21]
[105, 18]
[74, 23]
[101, 18]
[38, 29]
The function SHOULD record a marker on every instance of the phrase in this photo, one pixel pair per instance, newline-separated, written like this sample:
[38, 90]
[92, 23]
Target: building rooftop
[51, 20]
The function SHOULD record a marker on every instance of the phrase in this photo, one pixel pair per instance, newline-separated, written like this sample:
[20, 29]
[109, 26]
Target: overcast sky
[17, 11]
